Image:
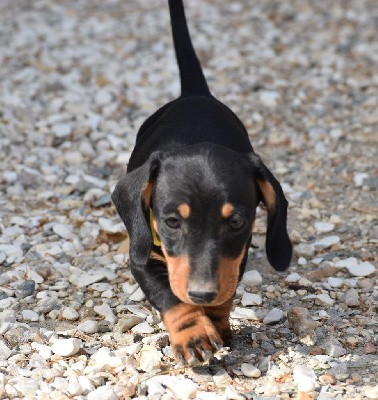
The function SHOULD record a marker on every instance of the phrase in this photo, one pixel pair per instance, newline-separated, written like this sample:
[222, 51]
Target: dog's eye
[236, 222]
[172, 222]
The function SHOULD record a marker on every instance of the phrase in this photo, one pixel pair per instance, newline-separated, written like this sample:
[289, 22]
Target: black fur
[195, 150]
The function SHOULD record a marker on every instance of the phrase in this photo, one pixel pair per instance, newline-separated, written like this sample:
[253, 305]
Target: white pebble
[252, 278]
[250, 370]
[143, 327]
[102, 393]
[30, 315]
[251, 299]
[246, 313]
[348, 262]
[149, 359]
[138, 295]
[305, 378]
[302, 261]
[335, 282]
[326, 242]
[70, 313]
[359, 178]
[275, 315]
[64, 231]
[105, 311]
[5, 351]
[66, 347]
[363, 269]
[182, 388]
[293, 277]
[325, 299]
[323, 227]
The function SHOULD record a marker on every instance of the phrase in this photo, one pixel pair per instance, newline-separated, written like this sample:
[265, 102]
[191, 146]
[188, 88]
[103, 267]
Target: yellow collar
[155, 235]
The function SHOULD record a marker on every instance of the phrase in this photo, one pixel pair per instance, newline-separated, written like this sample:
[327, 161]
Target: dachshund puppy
[188, 201]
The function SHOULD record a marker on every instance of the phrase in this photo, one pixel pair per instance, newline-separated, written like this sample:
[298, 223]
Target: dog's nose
[202, 297]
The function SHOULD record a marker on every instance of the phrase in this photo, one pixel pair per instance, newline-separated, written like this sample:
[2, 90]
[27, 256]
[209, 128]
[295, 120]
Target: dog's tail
[193, 81]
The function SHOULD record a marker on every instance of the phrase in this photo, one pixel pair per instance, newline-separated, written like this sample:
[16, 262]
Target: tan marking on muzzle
[184, 210]
[228, 277]
[227, 210]
[178, 274]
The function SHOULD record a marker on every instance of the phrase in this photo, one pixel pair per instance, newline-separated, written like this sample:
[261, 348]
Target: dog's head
[202, 201]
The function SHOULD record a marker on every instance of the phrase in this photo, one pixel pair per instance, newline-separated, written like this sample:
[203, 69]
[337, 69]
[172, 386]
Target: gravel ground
[77, 78]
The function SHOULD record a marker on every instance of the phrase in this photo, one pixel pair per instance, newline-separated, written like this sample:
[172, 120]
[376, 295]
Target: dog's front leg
[192, 334]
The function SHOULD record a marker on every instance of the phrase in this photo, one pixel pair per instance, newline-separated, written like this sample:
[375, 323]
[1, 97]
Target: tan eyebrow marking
[184, 210]
[227, 210]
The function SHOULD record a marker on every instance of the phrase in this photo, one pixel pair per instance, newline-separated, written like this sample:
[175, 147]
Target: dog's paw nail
[217, 345]
[206, 355]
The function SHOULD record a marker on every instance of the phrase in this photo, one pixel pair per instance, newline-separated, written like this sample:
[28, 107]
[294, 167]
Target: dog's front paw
[193, 336]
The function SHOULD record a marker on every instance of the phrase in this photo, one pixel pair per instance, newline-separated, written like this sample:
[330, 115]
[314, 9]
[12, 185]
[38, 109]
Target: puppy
[188, 201]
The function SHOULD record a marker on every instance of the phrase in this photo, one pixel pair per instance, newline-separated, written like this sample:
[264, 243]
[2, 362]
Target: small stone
[143, 327]
[64, 231]
[102, 393]
[250, 371]
[264, 364]
[61, 130]
[5, 351]
[66, 347]
[335, 282]
[326, 242]
[11, 251]
[222, 379]
[154, 387]
[83, 279]
[371, 393]
[323, 227]
[252, 278]
[105, 311]
[70, 313]
[149, 359]
[182, 388]
[302, 261]
[293, 277]
[363, 269]
[334, 349]
[103, 97]
[370, 348]
[251, 299]
[246, 313]
[232, 394]
[88, 326]
[352, 298]
[347, 263]
[30, 315]
[300, 321]
[305, 250]
[327, 379]
[25, 289]
[124, 324]
[275, 315]
[269, 98]
[359, 178]
[138, 295]
[305, 378]
[325, 299]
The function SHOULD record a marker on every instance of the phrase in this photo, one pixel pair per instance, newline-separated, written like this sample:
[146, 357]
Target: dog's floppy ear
[132, 197]
[278, 245]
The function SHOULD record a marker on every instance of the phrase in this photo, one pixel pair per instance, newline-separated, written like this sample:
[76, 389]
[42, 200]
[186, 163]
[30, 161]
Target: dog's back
[196, 116]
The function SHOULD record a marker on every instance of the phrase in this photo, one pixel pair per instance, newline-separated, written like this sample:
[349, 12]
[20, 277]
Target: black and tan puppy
[188, 201]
